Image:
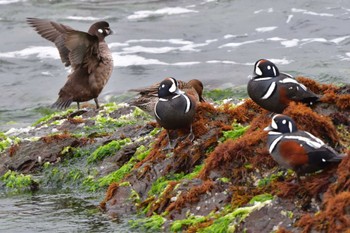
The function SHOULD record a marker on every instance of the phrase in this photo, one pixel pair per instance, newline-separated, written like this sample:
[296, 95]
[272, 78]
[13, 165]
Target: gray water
[214, 41]
[56, 213]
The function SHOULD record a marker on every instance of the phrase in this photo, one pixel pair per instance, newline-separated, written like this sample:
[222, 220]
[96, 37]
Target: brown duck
[88, 55]
[149, 95]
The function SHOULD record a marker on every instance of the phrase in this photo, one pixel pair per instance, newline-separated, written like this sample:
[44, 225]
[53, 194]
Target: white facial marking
[173, 87]
[257, 69]
[163, 85]
[269, 92]
[100, 30]
[274, 70]
[269, 67]
[323, 160]
[284, 122]
[290, 126]
[274, 125]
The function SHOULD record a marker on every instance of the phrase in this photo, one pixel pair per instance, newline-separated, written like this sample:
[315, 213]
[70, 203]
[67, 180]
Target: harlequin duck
[298, 150]
[174, 109]
[273, 90]
[149, 95]
[88, 55]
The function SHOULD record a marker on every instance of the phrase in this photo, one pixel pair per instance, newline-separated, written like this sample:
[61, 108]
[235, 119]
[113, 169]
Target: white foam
[141, 49]
[83, 18]
[116, 44]
[339, 39]
[221, 61]
[5, 2]
[135, 60]
[41, 52]
[275, 39]
[171, 41]
[282, 61]
[290, 43]
[265, 29]
[186, 63]
[306, 12]
[310, 40]
[241, 43]
[289, 18]
[159, 12]
[268, 10]
[130, 60]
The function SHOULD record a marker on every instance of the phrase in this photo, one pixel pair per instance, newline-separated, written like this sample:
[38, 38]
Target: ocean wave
[160, 12]
[83, 18]
[136, 60]
[265, 29]
[306, 12]
[171, 41]
[5, 2]
[41, 52]
[237, 44]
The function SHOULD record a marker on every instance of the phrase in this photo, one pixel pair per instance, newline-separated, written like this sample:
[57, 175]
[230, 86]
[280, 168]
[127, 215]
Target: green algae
[107, 150]
[161, 183]
[150, 224]
[220, 95]
[119, 174]
[50, 115]
[273, 177]
[261, 198]
[231, 220]
[237, 131]
[179, 225]
[6, 142]
[16, 182]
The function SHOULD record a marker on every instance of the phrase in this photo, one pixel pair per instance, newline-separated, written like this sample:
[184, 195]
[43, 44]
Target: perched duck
[298, 150]
[174, 109]
[88, 55]
[149, 95]
[273, 90]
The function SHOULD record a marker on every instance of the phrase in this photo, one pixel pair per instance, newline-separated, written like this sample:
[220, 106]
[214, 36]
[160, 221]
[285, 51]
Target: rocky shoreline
[224, 181]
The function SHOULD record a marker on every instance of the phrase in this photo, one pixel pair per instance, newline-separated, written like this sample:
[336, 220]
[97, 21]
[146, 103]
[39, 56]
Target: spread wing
[53, 32]
[76, 48]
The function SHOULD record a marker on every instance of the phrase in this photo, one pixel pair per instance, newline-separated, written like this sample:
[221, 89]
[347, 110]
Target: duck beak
[268, 128]
[109, 31]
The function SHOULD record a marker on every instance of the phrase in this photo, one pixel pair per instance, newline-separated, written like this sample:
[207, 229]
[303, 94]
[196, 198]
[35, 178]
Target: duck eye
[100, 30]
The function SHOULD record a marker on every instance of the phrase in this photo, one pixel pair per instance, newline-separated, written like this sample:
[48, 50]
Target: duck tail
[62, 103]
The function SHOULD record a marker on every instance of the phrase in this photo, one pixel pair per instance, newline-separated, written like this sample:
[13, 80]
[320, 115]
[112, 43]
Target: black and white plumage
[274, 90]
[298, 150]
[86, 52]
[174, 109]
